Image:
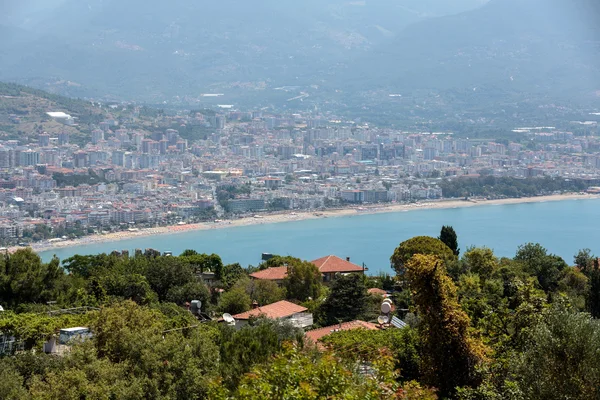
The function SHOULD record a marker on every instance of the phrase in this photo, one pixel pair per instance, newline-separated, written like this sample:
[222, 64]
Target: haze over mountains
[541, 47]
[152, 51]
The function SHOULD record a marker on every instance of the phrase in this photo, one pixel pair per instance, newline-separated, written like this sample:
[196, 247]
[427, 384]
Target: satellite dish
[1, 309]
[383, 319]
[228, 318]
[388, 301]
[386, 308]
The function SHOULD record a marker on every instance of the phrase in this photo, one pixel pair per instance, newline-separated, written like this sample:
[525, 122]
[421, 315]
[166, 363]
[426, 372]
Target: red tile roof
[317, 334]
[271, 274]
[332, 264]
[280, 309]
[377, 291]
[327, 264]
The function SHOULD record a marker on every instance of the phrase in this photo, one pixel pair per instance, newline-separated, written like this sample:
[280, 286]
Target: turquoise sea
[563, 227]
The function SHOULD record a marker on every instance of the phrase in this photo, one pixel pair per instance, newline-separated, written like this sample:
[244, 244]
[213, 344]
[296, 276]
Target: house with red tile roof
[315, 335]
[328, 266]
[281, 310]
[275, 274]
[331, 265]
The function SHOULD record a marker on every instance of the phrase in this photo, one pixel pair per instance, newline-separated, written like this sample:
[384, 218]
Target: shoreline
[291, 216]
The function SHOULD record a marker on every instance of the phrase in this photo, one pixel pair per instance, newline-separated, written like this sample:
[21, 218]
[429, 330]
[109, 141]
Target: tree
[253, 344]
[126, 286]
[419, 245]
[480, 261]
[234, 301]
[131, 356]
[449, 238]
[231, 274]
[347, 300]
[574, 284]
[121, 331]
[303, 281]
[24, 278]
[188, 292]
[297, 375]
[362, 345]
[592, 299]
[11, 384]
[262, 291]
[188, 253]
[201, 263]
[278, 261]
[451, 355]
[546, 267]
[164, 273]
[584, 259]
[562, 359]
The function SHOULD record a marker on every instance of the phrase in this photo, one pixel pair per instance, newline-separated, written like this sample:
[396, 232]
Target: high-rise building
[63, 138]
[6, 158]
[163, 146]
[80, 159]
[29, 158]
[44, 140]
[118, 158]
[220, 122]
[429, 153]
[97, 136]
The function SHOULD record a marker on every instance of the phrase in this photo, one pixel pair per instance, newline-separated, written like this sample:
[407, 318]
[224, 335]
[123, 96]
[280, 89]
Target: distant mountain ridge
[541, 47]
[503, 52]
[153, 50]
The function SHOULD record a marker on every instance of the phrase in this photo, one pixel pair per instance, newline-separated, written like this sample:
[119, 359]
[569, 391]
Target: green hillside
[23, 113]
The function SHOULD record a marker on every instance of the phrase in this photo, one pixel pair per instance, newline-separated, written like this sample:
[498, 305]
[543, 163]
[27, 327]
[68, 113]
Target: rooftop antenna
[229, 319]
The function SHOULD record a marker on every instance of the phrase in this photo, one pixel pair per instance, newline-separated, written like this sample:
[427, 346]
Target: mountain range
[510, 50]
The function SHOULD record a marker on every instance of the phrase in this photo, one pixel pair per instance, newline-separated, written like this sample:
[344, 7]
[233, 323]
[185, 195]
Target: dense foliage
[479, 327]
[491, 186]
[419, 245]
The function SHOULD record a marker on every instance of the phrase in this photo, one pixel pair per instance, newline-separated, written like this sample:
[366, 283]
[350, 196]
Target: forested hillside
[478, 327]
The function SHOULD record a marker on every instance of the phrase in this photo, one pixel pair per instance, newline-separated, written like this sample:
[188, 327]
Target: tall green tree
[296, 375]
[24, 278]
[231, 274]
[419, 245]
[165, 273]
[592, 298]
[348, 299]
[203, 262]
[584, 259]
[234, 301]
[303, 280]
[253, 344]
[562, 360]
[451, 354]
[480, 261]
[262, 291]
[546, 267]
[362, 345]
[11, 383]
[449, 238]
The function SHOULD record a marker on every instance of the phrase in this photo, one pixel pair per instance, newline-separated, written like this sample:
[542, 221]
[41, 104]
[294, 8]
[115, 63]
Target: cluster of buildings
[145, 171]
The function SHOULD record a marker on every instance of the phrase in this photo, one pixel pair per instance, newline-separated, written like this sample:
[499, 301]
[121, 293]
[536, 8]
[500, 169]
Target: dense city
[140, 167]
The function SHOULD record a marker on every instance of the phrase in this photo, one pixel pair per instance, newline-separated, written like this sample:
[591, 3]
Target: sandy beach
[289, 216]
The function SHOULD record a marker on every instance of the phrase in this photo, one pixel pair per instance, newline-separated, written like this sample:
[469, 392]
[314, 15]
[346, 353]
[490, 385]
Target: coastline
[290, 216]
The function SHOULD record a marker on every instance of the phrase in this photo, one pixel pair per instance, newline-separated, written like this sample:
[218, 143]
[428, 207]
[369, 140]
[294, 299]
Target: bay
[563, 227]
